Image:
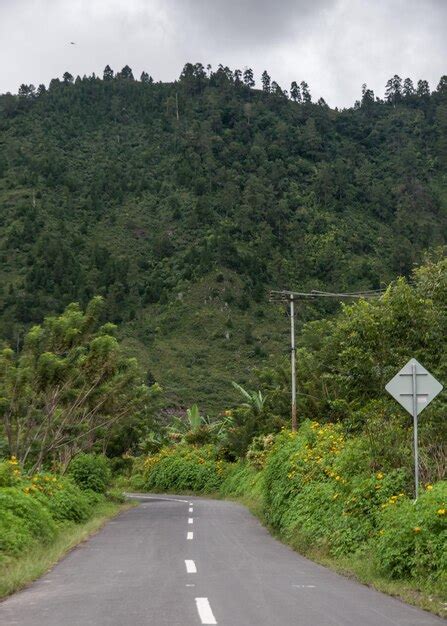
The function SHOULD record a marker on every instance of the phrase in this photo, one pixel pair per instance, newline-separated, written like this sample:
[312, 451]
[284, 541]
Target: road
[190, 561]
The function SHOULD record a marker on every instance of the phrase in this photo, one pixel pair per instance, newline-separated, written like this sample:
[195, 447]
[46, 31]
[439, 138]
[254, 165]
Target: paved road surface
[186, 562]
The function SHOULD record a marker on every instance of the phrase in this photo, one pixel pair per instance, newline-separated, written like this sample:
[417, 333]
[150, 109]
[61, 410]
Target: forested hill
[183, 202]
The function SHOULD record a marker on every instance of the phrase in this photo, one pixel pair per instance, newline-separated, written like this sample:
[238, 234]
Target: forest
[182, 204]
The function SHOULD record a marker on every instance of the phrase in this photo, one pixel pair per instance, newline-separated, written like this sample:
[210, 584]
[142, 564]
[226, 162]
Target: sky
[334, 45]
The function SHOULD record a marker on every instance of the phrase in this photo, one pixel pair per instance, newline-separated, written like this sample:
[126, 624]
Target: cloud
[335, 45]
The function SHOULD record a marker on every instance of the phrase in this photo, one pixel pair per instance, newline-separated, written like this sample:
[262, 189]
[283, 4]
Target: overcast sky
[335, 45]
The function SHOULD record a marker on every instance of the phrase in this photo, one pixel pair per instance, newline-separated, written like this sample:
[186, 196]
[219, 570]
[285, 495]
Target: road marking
[190, 520]
[190, 585]
[304, 586]
[190, 509]
[190, 535]
[190, 567]
[143, 497]
[190, 504]
[205, 612]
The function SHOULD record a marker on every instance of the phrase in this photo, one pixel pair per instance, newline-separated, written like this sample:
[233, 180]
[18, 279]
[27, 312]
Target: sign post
[414, 388]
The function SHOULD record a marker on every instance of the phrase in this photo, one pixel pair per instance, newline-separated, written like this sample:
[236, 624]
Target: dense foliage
[181, 203]
[34, 507]
[68, 388]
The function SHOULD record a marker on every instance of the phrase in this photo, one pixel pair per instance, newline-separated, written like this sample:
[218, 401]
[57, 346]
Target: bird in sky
[73, 43]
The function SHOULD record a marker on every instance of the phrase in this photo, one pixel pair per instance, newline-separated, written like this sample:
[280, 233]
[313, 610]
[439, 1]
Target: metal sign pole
[292, 361]
[415, 428]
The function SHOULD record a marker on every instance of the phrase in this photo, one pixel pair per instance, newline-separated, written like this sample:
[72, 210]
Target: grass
[19, 572]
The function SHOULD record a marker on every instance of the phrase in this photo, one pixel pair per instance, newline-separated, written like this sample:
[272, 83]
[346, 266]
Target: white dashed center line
[190, 535]
[205, 612]
[190, 520]
[190, 509]
[190, 567]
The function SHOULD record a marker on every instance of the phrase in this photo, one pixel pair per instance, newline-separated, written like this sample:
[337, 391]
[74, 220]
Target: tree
[305, 93]
[237, 77]
[423, 89]
[26, 92]
[126, 73]
[408, 88]
[41, 90]
[442, 85]
[67, 78]
[265, 79]
[248, 77]
[70, 382]
[367, 96]
[108, 73]
[393, 90]
[145, 78]
[295, 92]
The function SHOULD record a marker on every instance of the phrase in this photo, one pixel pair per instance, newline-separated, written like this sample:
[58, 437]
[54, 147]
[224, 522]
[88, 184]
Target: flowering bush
[183, 468]
[412, 538]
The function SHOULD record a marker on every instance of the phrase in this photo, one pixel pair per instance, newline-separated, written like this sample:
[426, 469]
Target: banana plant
[254, 400]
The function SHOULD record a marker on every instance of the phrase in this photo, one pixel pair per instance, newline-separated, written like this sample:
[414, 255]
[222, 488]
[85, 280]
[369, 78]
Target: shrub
[90, 471]
[14, 533]
[184, 468]
[70, 503]
[412, 538]
[242, 480]
[10, 473]
[36, 518]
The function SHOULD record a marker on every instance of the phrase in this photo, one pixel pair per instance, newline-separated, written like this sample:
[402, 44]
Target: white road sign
[402, 390]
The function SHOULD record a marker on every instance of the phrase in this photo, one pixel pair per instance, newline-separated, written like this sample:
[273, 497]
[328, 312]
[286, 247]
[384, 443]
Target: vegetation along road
[177, 561]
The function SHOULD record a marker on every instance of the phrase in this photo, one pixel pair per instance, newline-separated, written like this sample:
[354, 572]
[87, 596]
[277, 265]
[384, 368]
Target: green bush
[9, 473]
[412, 538]
[71, 504]
[90, 471]
[184, 468]
[14, 533]
[36, 518]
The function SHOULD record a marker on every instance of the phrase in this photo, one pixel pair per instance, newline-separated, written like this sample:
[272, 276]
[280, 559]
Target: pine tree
[248, 77]
[305, 93]
[408, 88]
[265, 79]
[108, 73]
[295, 92]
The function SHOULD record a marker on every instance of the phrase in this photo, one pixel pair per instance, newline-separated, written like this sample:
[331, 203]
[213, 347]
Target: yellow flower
[417, 529]
[429, 487]
[379, 475]
[441, 511]
[337, 478]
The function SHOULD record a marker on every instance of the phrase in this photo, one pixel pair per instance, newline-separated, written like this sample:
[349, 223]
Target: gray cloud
[335, 45]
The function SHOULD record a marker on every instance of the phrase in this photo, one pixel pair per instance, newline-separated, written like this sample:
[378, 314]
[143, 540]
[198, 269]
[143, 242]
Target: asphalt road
[186, 562]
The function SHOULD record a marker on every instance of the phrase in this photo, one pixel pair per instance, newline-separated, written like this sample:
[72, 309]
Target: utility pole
[291, 297]
[292, 361]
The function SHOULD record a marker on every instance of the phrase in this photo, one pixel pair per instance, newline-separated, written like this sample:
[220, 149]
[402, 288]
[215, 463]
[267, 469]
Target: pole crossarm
[286, 295]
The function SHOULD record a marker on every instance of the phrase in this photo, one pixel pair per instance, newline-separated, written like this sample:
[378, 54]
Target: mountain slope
[183, 203]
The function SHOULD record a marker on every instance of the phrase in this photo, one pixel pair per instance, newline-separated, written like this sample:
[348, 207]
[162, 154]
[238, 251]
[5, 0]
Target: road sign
[414, 388]
[401, 387]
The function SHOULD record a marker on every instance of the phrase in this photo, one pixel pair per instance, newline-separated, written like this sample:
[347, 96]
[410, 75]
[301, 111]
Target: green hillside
[183, 203]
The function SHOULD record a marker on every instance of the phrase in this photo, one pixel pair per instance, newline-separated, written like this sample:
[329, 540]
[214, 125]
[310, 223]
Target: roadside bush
[70, 504]
[90, 471]
[242, 480]
[14, 534]
[10, 473]
[184, 468]
[36, 518]
[412, 538]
